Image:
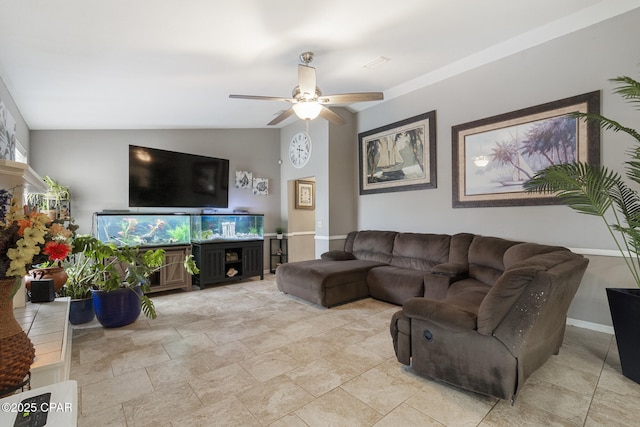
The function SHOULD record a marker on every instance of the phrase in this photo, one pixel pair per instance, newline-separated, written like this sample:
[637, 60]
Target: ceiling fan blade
[282, 116]
[347, 98]
[307, 80]
[334, 118]
[262, 98]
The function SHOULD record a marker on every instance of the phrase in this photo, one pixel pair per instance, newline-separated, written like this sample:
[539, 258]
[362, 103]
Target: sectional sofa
[478, 312]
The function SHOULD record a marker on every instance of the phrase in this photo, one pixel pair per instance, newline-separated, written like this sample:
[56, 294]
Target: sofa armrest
[445, 315]
[436, 286]
[400, 328]
[337, 256]
[452, 270]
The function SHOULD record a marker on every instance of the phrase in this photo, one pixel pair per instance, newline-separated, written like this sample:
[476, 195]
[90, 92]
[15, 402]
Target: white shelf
[21, 179]
[14, 174]
[47, 325]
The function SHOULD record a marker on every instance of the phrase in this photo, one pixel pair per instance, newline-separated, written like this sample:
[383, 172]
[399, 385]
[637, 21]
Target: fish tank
[226, 227]
[142, 229]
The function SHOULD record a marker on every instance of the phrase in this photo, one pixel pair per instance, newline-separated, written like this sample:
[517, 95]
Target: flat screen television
[161, 178]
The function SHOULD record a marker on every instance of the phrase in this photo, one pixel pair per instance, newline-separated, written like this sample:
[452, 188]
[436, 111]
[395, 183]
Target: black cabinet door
[252, 261]
[210, 261]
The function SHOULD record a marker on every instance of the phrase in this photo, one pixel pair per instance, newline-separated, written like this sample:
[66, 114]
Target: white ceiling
[156, 64]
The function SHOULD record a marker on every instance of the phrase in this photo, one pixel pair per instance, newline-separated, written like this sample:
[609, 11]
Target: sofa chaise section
[325, 282]
[340, 276]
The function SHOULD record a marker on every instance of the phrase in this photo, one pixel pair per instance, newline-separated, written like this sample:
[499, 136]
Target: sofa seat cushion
[446, 315]
[486, 258]
[325, 282]
[467, 294]
[395, 284]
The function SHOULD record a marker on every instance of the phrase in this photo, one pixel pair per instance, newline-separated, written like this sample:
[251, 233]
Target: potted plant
[599, 191]
[55, 202]
[78, 286]
[62, 230]
[278, 232]
[81, 303]
[118, 278]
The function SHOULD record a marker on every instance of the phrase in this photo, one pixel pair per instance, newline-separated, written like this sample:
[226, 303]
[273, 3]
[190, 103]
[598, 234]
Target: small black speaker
[42, 290]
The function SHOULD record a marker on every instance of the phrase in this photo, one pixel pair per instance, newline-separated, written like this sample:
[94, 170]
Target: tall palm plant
[599, 191]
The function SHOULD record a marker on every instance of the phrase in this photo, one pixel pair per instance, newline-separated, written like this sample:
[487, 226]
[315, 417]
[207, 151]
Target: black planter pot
[81, 311]
[117, 308]
[625, 313]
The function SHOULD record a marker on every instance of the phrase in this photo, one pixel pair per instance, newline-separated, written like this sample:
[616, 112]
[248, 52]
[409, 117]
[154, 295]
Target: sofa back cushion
[459, 249]
[503, 295]
[372, 245]
[348, 243]
[419, 251]
[524, 251]
[486, 258]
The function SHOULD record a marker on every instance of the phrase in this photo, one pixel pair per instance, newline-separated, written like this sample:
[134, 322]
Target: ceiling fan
[308, 102]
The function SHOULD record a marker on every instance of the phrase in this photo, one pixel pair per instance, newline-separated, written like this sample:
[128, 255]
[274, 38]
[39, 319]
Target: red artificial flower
[56, 251]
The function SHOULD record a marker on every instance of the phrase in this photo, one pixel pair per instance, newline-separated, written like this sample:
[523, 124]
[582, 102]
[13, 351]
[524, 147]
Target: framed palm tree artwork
[493, 157]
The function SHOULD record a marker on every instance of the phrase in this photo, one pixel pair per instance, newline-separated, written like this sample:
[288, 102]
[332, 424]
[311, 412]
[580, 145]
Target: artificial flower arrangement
[29, 238]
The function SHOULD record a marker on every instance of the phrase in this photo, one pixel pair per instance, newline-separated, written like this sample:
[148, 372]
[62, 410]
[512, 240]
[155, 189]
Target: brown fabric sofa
[385, 265]
[489, 335]
[478, 312]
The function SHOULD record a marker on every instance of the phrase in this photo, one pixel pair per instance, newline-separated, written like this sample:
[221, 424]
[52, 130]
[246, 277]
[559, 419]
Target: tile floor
[247, 355]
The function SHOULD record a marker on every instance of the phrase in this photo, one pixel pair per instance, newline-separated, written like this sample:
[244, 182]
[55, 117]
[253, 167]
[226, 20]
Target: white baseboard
[590, 325]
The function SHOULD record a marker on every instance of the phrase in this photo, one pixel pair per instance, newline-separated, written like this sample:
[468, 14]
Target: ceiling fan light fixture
[307, 110]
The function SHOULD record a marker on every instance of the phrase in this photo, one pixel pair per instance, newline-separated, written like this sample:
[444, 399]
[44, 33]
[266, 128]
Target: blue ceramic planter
[117, 308]
[81, 311]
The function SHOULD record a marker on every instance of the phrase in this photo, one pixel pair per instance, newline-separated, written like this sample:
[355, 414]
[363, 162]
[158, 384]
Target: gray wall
[575, 64]
[318, 168]
[333, 165]
[571, 65]
[94, 164]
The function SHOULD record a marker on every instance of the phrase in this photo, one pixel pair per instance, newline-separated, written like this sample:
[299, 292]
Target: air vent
[376, 62]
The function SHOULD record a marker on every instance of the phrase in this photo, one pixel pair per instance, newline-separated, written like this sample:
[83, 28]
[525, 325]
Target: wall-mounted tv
[161, 178]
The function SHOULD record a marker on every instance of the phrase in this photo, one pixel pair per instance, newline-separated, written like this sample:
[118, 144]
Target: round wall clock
[300, 149]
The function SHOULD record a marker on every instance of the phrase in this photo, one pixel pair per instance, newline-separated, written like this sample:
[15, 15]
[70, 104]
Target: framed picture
[493, 157]
[244, 179]
[7, 134]
[305, 194]
[399, 157]
[260, 186]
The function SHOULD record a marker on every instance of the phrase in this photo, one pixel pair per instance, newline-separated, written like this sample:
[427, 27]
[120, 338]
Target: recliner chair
[499, 321]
